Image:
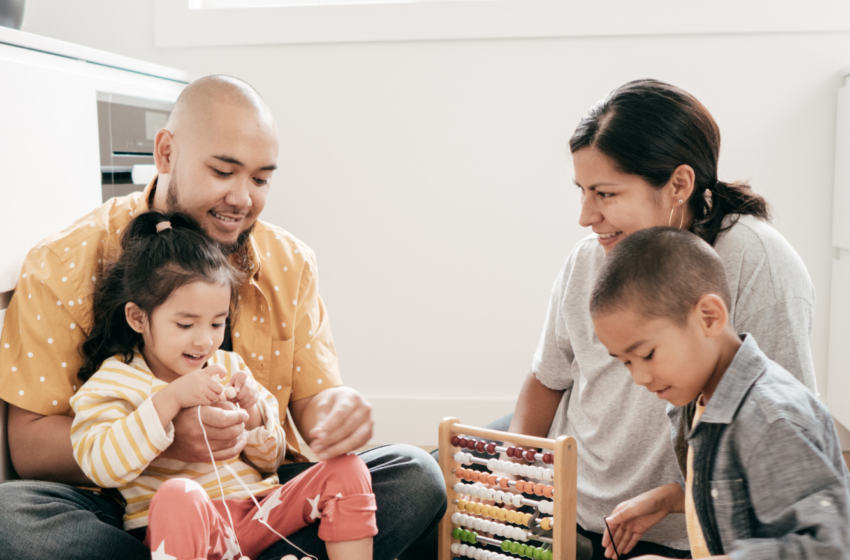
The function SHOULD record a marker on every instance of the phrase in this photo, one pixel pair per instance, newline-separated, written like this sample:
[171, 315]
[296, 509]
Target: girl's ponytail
[156, 260]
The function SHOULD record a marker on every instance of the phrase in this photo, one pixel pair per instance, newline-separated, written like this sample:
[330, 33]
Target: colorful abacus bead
[548, 458]
[510, 451]
[491, 448]
[529, 455]
[518, 452]
[479, 446]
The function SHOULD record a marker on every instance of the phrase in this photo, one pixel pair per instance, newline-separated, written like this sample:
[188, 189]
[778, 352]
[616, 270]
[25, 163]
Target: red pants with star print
[184, 523]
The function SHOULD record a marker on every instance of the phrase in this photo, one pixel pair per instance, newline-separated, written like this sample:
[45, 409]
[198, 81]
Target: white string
[250, 494]
[221, 487]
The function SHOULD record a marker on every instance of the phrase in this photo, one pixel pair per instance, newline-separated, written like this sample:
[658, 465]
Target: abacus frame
[565, 461]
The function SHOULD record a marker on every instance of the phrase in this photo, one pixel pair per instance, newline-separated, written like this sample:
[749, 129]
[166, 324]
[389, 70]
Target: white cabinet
[838, 375]
[49, 151]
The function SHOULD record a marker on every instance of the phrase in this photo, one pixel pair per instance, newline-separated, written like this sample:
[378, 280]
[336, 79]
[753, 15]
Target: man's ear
[713, 315]
[163, 150]
[136, 317]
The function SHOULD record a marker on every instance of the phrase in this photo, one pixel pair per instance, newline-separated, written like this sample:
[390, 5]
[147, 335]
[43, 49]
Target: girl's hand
[199, 388]
[632, 518]
[247, 395]
[247, 390]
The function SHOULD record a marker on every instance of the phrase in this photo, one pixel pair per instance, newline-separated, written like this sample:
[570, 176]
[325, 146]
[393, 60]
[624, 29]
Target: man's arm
[333, 422]
[40, 447]
[535, 408]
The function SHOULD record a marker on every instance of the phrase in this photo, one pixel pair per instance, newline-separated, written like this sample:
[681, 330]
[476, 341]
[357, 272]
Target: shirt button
[714, 493]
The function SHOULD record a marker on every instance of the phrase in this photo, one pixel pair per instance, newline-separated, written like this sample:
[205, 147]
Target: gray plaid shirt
[769, 478]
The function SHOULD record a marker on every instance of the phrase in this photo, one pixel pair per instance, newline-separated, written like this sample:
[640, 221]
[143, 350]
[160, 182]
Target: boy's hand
[632, 518]
[247, 390]
[199, 388]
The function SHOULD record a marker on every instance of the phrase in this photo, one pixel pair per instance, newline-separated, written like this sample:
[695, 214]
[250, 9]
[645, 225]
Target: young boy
[764, 475]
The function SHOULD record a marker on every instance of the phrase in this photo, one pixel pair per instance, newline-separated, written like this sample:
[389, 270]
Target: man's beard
[239, 249]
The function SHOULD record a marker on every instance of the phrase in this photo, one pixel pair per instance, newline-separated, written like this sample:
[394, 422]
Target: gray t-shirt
[622, 429]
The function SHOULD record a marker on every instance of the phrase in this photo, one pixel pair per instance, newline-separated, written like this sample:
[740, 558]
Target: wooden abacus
[469, 517]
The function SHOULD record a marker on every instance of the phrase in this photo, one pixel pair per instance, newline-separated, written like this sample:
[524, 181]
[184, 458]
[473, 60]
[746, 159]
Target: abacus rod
[520, 439]
[484, 462]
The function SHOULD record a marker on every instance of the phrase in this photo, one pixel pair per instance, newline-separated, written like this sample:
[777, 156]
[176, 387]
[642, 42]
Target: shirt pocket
[732, 509]
[280, 376]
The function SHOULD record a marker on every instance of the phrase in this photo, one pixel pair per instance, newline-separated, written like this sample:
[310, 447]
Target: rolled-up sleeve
[554, 354]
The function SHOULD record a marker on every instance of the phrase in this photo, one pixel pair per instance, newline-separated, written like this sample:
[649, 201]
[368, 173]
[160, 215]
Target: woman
[647, 156]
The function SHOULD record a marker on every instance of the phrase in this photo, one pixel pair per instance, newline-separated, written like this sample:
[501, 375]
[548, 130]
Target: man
[215, 158]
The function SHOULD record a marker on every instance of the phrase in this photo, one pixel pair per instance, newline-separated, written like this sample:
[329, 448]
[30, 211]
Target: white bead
[538, 473]
[499, 496]
[480, 553]
[464, 519]
[489, 494]
[468, 460]
[456, 518]
[523, 536]
[491, 464]
[470, 552]
[499, 530]
[527, 471]
[517, 500]
[463, 549]
[478, 525]
[455, 548]
[458, 488]
[549, 475]
[492, 528]
[459, 457]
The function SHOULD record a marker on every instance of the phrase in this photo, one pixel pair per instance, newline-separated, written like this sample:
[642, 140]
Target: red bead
[510, 451]
[491, 448]
[455, 442]
[518, 452]
[470, 444]
[479, 446]
[461, 442]
[547, 458]
[529, 455]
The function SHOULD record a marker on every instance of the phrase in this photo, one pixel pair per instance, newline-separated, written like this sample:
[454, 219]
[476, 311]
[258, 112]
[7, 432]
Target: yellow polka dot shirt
[281, 329]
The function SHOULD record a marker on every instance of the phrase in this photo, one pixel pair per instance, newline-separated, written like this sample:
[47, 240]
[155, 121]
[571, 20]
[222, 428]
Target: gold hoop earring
[682, 221]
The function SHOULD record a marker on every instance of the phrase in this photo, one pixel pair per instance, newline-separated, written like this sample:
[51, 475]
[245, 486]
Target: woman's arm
[535, 408]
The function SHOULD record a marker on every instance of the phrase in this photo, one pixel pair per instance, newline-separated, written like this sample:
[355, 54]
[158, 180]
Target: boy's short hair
[659, 272]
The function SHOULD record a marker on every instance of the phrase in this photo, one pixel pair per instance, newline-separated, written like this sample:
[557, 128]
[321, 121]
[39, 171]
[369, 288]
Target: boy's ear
[136, 317]
[713, 315]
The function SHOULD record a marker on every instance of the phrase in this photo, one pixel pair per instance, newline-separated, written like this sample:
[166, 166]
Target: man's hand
[225, 429]
[632, 518]
[334, 422]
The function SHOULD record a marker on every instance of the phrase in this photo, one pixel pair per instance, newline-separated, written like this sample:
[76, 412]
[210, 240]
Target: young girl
[159, 319]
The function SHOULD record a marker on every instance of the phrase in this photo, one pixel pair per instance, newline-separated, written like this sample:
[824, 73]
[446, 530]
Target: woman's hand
[632, 518]
[247, 395]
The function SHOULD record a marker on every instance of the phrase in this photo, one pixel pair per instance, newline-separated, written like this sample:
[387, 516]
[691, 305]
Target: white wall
[432, 179]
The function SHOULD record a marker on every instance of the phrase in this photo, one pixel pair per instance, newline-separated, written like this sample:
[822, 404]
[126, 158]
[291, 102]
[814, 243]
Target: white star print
[231, 544]
[267, 506]
[192, 486]
[339, 495]
[315, 514]
[159, 553]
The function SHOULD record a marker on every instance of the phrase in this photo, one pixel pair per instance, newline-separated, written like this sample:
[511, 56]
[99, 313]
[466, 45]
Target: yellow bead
[546, 523]
[476, 508]
[501, 514]
[527, 520]
[511, 515]
[461, 504]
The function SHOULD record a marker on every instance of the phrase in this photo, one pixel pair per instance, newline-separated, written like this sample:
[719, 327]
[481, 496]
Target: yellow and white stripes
[117, 438]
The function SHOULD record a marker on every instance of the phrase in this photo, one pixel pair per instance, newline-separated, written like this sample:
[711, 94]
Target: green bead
[538, 553]
[473, 537]
[547, 555]
[506, 546]
[523, 549]
[514, 547]
[456, 533]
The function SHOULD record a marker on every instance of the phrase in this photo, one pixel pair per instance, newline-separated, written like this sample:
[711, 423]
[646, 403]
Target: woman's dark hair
[649, 128]
[152, 265]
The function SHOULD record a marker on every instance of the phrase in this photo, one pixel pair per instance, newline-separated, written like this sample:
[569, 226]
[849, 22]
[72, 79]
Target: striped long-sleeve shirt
[117, 437]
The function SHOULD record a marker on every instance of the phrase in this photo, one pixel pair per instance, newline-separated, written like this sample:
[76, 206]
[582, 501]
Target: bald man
[215, 158]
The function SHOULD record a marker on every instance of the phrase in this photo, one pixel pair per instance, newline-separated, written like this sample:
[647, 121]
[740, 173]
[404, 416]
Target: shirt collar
[747, 366]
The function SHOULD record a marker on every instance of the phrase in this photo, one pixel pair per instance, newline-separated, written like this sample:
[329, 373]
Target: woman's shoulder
[752, 245]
